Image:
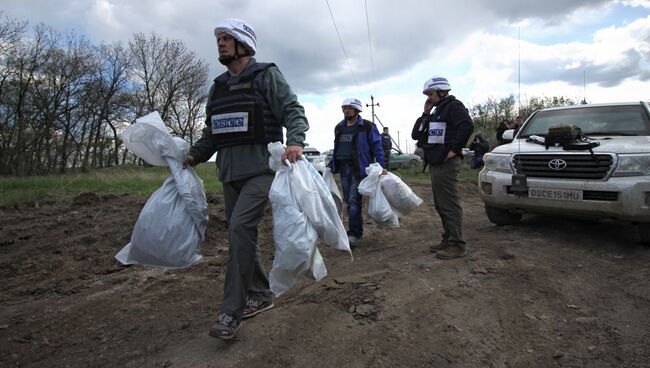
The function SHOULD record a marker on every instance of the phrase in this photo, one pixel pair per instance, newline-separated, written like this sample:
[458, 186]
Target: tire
[501, 217]
[644, 233]
[413, 163]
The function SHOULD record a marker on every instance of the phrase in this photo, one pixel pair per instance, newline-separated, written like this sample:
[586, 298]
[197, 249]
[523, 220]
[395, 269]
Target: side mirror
[508, 135]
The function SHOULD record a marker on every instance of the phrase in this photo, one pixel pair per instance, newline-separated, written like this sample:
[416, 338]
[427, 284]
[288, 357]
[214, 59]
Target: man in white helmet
[357, 144]
[442, 134]
[247, 108]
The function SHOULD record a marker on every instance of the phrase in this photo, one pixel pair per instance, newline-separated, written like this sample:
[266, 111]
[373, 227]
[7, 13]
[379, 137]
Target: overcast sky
[486, 49]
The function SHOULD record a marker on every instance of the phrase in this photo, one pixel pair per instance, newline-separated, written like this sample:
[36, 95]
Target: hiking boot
[444, 243]
[254, 307]
[225, 327]
[452, 251]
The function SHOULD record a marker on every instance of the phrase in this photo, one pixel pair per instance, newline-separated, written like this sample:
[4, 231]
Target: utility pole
[398, 140]
[372, 106]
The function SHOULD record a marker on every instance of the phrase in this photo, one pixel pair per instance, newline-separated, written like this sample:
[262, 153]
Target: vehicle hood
[608, 144]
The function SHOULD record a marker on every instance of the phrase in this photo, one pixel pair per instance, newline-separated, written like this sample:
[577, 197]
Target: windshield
[601, 120]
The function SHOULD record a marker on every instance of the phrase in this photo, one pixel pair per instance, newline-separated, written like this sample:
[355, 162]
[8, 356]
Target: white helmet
[436, 83]
[352, 102]
[240, 30]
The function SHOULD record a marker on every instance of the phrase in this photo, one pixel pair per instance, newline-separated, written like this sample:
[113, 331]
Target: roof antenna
[584, 87]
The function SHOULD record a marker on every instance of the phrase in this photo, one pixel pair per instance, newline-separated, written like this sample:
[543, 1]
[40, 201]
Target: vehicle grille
[578, 166]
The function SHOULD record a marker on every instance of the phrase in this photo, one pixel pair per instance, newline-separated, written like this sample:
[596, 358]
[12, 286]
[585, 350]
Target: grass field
[134, 180]
[124, 179]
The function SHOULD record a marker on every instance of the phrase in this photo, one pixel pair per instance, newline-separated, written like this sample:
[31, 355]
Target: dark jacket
[459, 128]
[386, 143]
[479, 145]
[366, 146]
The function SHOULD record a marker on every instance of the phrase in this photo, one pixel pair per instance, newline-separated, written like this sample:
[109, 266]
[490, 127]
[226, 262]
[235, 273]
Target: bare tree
[23, 64]
[63, 101]
[172, 80]
[108, 101]
[11, 33]
[488, 115]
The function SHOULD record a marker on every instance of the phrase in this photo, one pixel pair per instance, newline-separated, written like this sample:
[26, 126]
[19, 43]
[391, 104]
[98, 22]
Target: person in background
[480, 146]
[442, 133]
[357, 144]
[247, 107]
[519, 121]
[505, 125]
[386, 145]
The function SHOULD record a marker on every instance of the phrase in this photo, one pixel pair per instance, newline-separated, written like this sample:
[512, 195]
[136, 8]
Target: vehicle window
[624, 120]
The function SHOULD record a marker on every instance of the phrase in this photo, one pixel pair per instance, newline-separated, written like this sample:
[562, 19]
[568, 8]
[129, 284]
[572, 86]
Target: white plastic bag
[303, 210]
[316, 202]
[173, 221]
[295, 238]
[398, 194]
[378, 207]
[330, 182]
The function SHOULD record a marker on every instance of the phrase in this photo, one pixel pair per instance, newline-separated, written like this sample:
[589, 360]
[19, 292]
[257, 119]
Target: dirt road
[547, 293]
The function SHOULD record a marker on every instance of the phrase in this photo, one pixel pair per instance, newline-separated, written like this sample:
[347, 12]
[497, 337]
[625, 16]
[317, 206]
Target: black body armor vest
[239, 111]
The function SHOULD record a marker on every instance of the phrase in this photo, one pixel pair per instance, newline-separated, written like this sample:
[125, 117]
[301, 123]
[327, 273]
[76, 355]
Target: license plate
[555, 194]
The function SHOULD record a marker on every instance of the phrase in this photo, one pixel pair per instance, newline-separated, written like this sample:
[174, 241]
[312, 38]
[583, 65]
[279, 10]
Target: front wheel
[502, 217]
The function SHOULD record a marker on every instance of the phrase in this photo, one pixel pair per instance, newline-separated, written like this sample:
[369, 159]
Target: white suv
[604, 174]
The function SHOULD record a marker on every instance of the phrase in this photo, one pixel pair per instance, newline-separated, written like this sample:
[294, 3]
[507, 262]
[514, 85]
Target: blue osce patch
[436, 132]
[229, 123]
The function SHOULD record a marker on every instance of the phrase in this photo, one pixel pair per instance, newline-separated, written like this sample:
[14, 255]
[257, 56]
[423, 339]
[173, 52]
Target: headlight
[497, 162]
[633, 165]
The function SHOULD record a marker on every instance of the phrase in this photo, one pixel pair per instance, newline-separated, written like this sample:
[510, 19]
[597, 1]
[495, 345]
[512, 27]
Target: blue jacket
[366, 146]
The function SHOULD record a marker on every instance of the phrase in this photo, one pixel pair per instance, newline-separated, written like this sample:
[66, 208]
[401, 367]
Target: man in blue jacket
[442, 134]
[357, 144]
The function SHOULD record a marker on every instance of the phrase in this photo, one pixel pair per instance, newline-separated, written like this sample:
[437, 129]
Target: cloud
[300, 36]
[473, 42]
[616, 54]
[635, 3]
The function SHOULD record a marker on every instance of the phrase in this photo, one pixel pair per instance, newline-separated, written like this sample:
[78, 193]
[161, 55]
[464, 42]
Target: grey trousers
[444, 183]
[245, 276]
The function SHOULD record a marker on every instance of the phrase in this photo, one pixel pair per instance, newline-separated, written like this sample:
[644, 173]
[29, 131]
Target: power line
[341, 42]
[372, 62]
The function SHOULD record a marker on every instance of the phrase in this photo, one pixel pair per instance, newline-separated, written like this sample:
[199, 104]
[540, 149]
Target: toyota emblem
[557, 164]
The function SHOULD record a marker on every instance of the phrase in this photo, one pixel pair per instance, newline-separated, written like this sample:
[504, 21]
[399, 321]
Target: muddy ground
[546, 293]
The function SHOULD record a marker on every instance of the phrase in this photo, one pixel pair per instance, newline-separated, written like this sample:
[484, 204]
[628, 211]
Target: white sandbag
[173, 221]
[314, 198]
[293, 234]
[379, 210]
[330, 182]
[398, 194]
[303, 211]
[149, 139]
[369, 185]
[295, 239]
[316, 202]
